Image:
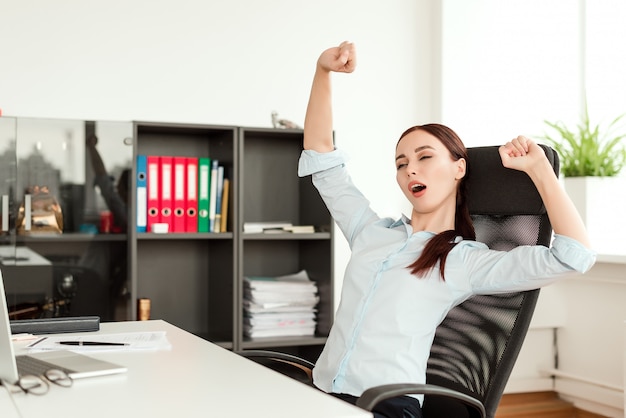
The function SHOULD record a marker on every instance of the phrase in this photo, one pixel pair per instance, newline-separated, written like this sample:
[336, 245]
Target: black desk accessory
[55, 325]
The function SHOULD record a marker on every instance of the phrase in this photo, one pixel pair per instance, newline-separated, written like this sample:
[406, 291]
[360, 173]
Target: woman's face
[426, 172]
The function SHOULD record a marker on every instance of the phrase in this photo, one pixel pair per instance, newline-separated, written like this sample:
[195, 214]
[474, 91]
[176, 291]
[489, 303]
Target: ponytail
[438, 247]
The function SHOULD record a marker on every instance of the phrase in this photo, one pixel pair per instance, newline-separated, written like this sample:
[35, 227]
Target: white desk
[194, 378]
[7, 410]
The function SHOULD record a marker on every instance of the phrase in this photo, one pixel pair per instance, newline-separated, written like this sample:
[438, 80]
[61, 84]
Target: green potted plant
[588, 151]
[592, 158]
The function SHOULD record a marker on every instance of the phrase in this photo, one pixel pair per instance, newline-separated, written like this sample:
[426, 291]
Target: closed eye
[401, 166]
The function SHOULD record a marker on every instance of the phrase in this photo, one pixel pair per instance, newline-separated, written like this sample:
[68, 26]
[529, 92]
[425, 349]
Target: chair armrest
[372, 396]
[289, 359]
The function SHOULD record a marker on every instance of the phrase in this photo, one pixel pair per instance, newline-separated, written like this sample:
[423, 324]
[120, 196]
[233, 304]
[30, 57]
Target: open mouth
[416, 188]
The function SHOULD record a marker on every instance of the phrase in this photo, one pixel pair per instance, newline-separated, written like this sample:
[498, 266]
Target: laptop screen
[8, 366]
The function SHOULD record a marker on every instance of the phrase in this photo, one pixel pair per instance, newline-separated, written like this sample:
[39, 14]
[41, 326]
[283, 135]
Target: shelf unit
[187, 276]
[271, 191]
[195, 280]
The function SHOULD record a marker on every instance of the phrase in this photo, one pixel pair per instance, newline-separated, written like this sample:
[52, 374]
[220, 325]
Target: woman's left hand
[522, 154]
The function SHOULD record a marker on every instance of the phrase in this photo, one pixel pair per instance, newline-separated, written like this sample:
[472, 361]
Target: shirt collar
[404, 220]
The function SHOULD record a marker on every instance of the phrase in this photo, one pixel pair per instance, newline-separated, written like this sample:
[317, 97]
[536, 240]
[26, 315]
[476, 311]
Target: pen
[36, 342]
[90, 343]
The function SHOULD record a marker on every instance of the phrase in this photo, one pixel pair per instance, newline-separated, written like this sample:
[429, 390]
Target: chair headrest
[496, 190]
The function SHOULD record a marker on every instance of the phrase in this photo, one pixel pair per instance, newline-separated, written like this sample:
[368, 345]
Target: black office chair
[477, 344]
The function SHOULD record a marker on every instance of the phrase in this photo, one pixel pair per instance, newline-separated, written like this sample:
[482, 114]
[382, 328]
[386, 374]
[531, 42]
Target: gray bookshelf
[195, 280]
[270, 190]
[188, 277]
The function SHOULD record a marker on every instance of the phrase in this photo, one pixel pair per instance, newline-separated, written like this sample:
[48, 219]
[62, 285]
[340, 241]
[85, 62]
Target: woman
[405, 275]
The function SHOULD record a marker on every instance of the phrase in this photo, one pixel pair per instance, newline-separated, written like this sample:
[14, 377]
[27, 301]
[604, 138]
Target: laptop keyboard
[31, 365]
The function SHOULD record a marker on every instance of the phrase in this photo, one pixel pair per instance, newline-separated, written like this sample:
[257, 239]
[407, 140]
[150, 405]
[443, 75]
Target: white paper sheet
[132, 341]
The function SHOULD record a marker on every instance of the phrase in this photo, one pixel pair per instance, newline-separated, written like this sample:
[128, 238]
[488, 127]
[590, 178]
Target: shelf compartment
[280, 257]
[271, 190]
[189, 284]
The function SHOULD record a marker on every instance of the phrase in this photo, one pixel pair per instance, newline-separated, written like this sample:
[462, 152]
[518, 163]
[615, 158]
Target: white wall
[508, 66]
[207, 61]
[605, 65]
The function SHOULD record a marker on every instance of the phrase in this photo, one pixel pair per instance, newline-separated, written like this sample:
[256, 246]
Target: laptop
[76, 365]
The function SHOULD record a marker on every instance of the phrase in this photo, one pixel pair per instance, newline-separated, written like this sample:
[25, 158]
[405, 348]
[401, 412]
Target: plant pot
[601, 202]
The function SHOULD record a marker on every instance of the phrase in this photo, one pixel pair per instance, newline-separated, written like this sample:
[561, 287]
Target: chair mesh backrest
[477, 344]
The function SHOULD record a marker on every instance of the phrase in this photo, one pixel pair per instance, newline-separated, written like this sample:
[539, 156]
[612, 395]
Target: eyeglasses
[39, 385]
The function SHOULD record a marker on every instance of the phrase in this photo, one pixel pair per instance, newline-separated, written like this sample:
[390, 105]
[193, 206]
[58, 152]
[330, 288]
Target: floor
[539, 405]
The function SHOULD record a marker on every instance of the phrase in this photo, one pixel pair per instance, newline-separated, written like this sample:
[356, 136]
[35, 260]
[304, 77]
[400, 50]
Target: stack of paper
[280, 306]
[276, 227]
[258, 227]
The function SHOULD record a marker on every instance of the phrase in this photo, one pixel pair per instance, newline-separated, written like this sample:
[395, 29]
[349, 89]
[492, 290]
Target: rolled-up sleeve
[573, 254]
[349, 208]
[312, 162]
[522, 268]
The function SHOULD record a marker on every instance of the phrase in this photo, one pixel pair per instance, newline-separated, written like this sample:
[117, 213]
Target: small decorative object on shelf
[143, 309]
[40, 213]
[283, 123]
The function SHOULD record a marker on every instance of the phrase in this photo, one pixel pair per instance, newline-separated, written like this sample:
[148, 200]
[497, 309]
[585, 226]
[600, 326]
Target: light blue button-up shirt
[387, 317]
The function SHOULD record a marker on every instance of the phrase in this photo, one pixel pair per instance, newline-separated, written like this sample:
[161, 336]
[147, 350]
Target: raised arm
[318, 122]
[525, 155]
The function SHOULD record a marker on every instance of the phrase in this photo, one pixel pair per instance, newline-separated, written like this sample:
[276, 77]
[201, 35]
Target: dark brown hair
[440, 245]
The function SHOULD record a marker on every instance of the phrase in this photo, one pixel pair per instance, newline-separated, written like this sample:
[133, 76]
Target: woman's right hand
[340, 58]
[318, 122]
